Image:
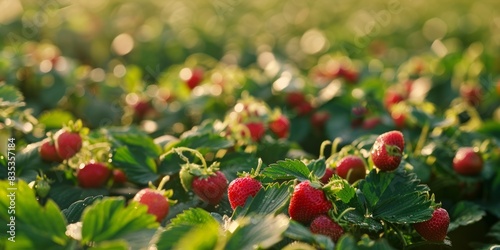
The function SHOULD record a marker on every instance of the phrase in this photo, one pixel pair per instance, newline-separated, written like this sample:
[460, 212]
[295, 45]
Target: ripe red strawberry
[328, 174]
[467, 161]
[119, 176]
[472, 94]
[210, 188]
[326, 226]
[48, 151]
[156, 202]
[303, 108]
[257, 130]
[392, 97]
[350, 75]
[436, 228]
[319, 119]
[294, 99]
[280, 126]
[399, 119]
[93, 175]
[387, 150]
[195, 78]
[240, 189]
[307, 203]
[351, 168]
[68, 144]
[371, 122]
[141, 109]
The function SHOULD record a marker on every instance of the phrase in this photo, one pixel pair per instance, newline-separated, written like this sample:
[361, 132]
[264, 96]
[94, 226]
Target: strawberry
[256, 129]
[48, 151]
[155, 200]
[467, 161]
[294, 99]
[319, 119]
[240, 189]
[399, 119]
[328, 174]
[471, 94]
[351, 76]
[67, 143]
[326, 226]
[351, 168]
[392, 97]
[195, 78]
[303, 108]
[141, 109]
[280, 126]
[119, 176]
[93, 175]
[387, 151]
[371, 122]
[308, 202]
[436, 228]
[210, 188]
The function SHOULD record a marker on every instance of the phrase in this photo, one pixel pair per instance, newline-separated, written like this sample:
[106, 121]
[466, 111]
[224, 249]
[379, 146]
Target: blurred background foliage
[96, 60]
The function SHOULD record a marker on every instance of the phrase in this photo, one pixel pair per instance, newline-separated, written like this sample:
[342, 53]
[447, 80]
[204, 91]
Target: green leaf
[192, 216]
[299, 232]
[10, 97]
[272, 150]
[136, 139]
[317, 167]
[269, 200]
[66, 194]
[465, 213]
[237, 162]
[208, 141]
[138, 167]
[287, 170]
[193, 229]
[36, 227]
[111, 245]
[349, 242]
[55, 119]
[396, 197]
[256, 232]
[110, 219]
[74, 212]
[495, 232]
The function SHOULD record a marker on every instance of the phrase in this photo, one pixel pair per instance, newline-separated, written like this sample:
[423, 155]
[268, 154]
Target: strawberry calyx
[393, 150]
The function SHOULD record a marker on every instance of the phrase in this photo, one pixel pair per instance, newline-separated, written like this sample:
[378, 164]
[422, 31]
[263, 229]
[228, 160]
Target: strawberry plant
[131, 125]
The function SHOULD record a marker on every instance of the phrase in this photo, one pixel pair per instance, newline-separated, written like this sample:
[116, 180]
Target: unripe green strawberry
[387, 151]
[436, 228]
[156, 202]
[308, 202]
[326, 226]
[210, 188]
[351, 168]
[240, 189]
[467, 161]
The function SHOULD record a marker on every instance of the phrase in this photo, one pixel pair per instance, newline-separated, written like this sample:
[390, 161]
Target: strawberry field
[249, 125]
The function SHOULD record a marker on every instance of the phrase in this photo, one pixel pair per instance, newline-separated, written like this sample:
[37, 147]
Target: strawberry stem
[259, 165]
[421, 139]
[335, 145]
[322, 148]
[179, 151]
[163, 182]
